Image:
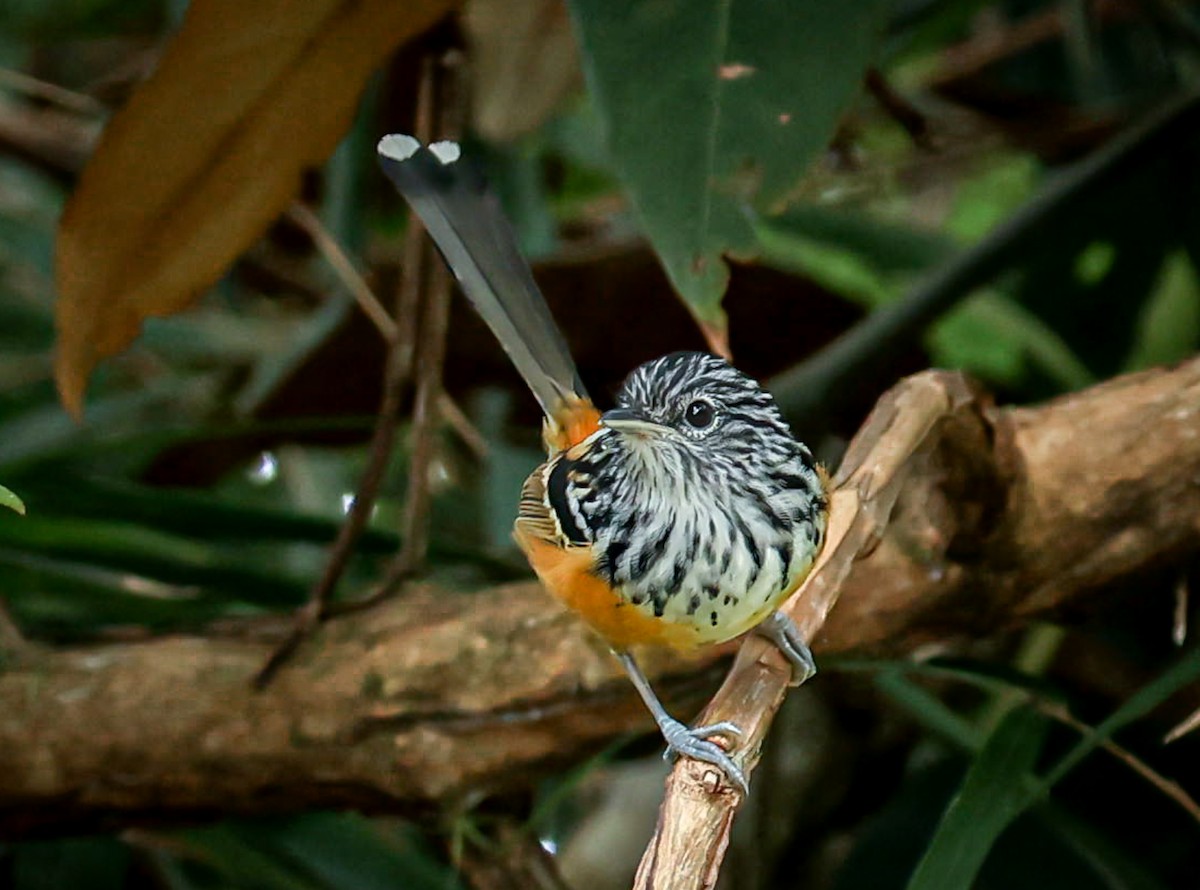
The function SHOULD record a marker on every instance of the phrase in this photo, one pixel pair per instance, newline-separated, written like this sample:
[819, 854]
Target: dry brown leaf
[205, 154]
[524, 62]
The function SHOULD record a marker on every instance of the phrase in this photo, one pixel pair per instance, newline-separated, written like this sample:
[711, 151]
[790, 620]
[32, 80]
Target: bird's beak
[626, 420]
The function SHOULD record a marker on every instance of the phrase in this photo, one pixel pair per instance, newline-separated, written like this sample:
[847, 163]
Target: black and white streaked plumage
[683, 516]
[699, 505]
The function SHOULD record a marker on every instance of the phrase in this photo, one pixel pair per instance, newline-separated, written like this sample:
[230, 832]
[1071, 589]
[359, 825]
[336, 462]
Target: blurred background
[1008, 188]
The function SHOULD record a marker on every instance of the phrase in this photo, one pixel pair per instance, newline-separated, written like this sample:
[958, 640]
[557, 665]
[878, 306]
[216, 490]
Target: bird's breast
[649, 553]
[714, 567]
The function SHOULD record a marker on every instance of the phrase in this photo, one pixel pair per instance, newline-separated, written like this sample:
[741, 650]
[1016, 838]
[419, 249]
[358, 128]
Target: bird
[682, 517]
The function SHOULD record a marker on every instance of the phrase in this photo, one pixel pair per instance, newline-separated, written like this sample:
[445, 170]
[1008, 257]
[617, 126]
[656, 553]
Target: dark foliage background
[1008, 188]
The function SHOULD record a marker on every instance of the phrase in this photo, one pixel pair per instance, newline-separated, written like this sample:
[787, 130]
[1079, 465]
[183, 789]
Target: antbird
[682, 517]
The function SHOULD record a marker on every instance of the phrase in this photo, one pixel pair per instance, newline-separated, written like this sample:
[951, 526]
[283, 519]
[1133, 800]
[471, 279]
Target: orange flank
[573, 422]
[567, 574]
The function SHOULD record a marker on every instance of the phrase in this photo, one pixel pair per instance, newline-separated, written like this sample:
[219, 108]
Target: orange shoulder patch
[571, 424]
[567, 574]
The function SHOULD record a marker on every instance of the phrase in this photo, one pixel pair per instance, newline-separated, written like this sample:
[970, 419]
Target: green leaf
[1001, 783]
[931, 711]
[993, 336]
[872, 263]
[832, 265]
[225, 849]
[156, 554]
[197, 514]
[317, 851]
[713, 104]
[348, 850]
[990, 798]
[987, 199]
[984, 675]
[10, 500]
[43, 20]
[1169, 327]
[101, 863]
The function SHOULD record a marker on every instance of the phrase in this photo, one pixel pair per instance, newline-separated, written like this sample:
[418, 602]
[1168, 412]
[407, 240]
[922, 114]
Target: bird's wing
[535, 519]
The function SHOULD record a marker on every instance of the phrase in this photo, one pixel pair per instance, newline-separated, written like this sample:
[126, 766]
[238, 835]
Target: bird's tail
[465, 220]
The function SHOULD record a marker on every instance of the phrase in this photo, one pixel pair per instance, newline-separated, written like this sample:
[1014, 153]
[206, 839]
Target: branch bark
[952, 518]
[991, 516]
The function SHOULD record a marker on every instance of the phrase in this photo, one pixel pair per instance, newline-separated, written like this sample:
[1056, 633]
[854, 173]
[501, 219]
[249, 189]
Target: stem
[816, 382]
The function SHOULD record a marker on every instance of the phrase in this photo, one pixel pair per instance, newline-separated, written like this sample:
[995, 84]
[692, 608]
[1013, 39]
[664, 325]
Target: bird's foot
[684, 741]
[782, 631]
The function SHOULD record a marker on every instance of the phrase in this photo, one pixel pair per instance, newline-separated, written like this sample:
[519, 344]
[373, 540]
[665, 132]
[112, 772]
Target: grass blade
[986, 804]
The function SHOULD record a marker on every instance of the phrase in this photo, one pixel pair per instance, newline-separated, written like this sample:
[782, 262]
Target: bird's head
[697, 409]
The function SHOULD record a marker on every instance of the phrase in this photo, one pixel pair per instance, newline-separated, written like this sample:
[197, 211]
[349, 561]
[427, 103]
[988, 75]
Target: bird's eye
[699, 414]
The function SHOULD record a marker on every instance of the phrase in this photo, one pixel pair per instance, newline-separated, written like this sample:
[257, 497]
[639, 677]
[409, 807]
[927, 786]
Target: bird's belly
[716, 613]
[569, 575]
[706, 606]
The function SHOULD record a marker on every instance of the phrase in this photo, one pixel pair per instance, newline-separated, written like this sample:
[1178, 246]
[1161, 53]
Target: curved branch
[954, 519]
[949, 517]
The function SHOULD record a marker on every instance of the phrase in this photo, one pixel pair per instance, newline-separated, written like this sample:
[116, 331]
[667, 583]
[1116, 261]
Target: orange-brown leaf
[205, 154]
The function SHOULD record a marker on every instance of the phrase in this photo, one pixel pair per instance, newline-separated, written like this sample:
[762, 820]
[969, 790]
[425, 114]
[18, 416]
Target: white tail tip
[446, 152]
[398, 146]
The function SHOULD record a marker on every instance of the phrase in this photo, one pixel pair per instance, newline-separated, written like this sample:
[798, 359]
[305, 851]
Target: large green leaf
[712, 104]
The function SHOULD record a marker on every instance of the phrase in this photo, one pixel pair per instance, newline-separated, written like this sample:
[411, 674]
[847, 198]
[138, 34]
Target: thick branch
[999, 515]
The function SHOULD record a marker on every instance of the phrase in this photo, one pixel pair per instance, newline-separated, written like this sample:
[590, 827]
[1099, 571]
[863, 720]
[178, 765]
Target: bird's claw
[683, 741]
[782, 631]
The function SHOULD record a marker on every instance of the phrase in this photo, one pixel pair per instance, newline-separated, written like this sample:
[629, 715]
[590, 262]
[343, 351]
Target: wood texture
[952, 519]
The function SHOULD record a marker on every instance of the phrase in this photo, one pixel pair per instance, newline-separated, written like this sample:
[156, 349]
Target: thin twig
[1179, 624]
[309, 615]
[1190, 724]
[36, 88]
[458, 421]
[344, 268]
[400, 334]
[446, 114]
[1171, 789]
[431, 353]
[899, 109]
[57, 142]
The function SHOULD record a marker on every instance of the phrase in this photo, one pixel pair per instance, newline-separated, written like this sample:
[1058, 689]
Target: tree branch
[992, 516]
[952, 519]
